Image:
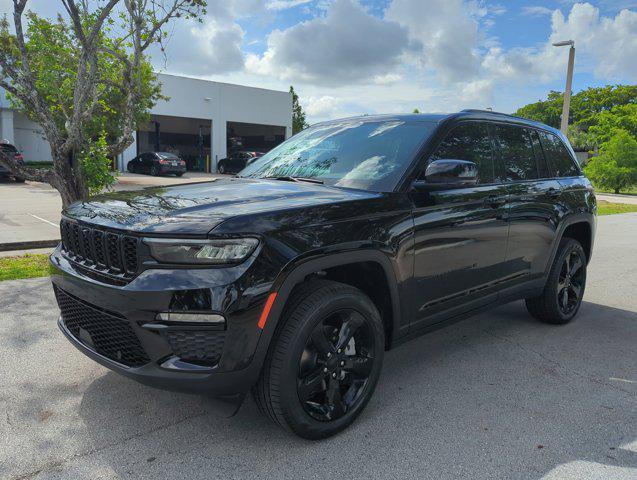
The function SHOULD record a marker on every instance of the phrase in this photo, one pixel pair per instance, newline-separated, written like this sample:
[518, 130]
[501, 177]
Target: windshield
[370, 155]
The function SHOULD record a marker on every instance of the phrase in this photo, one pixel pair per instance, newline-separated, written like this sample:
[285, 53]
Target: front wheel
[562, 295]
[154, 171]
[221, 168]
[325, 361]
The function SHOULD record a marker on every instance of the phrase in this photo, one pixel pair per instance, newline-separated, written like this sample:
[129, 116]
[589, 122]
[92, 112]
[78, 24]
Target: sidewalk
[30, 212]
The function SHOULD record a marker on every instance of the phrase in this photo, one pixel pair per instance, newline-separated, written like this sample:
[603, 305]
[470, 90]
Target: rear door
[533, 202]
[460, 233]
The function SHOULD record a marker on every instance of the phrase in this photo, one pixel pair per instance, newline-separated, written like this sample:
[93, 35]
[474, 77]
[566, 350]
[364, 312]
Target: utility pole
[569, 82]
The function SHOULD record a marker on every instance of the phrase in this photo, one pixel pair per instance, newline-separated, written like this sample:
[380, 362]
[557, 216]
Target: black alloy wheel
[324, 360]
[562, 296]
[569, 286]
[335, 365]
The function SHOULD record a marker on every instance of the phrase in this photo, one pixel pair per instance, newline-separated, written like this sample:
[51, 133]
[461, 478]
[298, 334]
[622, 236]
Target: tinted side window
[542, 166]
[516, 151]
[469, 141]
[558, 156]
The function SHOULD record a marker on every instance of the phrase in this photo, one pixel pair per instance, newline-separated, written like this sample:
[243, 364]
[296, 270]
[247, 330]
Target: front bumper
[135, 306]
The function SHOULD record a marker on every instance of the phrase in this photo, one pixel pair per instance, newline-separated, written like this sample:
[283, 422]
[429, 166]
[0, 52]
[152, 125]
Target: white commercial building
[201, 120]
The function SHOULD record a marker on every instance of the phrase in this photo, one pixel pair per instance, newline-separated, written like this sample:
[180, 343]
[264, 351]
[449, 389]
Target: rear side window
[469, 141]
[558, 156]
[516, 152]
[542, 166]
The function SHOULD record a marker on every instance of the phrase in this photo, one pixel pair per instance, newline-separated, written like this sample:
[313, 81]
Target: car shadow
[498, 395]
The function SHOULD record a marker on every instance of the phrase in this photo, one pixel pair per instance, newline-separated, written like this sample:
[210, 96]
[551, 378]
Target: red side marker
[266, 310]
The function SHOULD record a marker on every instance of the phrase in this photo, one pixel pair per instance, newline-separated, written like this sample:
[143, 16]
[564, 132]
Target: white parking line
[45, 221]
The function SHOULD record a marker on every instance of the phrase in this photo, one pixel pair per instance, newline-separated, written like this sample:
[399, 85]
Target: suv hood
[195, 209]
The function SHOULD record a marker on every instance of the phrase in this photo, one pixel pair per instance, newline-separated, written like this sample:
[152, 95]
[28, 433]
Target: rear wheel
[18, 179]
[179, 174]
[325, 361]
[562, 295]
[154, 171]
[221, 168]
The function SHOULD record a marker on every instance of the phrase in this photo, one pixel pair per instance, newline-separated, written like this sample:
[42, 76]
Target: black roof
[441, 117]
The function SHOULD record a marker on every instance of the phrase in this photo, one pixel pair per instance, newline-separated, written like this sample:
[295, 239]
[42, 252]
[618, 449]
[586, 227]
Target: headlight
[201, 252]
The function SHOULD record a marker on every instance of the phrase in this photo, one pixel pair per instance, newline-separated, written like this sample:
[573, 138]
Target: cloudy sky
[348, 57]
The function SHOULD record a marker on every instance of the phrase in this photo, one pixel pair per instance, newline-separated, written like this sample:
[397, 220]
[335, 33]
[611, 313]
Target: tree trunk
[617, 190]
[65, 179]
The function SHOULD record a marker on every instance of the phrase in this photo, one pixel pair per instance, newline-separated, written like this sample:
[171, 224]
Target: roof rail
[479, 110]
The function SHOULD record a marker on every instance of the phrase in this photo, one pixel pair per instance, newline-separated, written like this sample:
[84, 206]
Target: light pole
[569, 81]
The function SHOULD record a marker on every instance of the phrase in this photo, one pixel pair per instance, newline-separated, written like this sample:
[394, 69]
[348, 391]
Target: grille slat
[109, 335]
[101, 250]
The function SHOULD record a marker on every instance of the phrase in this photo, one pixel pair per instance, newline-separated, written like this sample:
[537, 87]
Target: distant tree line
[603, 121]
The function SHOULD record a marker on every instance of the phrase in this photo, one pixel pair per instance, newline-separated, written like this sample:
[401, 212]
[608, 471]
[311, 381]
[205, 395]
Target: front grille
[201, 347]
[105, 333]
[107, 253]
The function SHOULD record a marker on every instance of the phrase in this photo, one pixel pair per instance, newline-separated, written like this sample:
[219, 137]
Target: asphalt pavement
[497, 396]
[30, 211]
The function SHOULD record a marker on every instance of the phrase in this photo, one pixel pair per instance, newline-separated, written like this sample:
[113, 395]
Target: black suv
[353, 236]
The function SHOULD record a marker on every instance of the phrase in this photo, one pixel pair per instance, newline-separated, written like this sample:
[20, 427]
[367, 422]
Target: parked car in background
[291, 279]
[157, 163]
[237, 161]
[11, 152]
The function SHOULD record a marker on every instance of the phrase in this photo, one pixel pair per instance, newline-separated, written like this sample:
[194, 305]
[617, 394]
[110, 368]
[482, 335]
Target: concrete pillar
[6, 126]
[127, 155]
[219, 142]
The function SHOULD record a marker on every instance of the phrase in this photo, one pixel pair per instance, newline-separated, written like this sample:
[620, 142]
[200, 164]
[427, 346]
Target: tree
[416, 110]
[86, 81]
[298, 115]
[586, 106]
[615, 168]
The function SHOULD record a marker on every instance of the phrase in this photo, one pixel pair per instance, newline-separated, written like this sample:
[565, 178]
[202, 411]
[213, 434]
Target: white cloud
[536, 11]
[285, 4]
[322, 107]
[346, 45]
[447, 31]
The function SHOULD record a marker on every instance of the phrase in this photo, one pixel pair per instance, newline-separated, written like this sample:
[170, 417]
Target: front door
[460, 233]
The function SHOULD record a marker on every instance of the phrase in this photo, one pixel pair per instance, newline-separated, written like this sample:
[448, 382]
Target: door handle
[494, 201]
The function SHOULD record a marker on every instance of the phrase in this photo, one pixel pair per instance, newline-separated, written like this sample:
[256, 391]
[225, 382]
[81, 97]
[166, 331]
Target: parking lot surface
[31, 211]
[495, 396]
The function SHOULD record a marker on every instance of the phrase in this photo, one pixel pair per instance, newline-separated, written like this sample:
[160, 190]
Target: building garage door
[189, 138]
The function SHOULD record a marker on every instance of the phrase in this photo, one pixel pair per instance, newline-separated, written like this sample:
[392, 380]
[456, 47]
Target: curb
[8, 247]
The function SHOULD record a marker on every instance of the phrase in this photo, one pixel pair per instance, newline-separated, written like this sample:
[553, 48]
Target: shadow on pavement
[498, 395]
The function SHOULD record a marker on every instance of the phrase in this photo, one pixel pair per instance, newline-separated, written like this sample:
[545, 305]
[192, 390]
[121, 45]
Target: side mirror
[449, 173]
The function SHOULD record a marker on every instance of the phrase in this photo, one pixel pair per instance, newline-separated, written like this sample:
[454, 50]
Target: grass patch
[29, 265]
[608, 208]
[630, 191]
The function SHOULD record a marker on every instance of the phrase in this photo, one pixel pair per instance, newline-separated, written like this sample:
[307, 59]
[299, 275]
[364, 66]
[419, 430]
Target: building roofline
[220, 83]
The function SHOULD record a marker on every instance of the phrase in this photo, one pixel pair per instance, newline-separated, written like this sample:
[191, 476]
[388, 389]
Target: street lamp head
[564, 43]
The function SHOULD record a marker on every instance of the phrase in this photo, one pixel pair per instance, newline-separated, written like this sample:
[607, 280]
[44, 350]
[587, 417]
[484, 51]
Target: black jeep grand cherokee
[294, 277]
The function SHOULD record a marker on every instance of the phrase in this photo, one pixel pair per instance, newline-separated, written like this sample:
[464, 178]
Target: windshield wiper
[287, 178]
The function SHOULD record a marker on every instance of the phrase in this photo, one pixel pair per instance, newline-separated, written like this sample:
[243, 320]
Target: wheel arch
[581, 227]
[341, 267]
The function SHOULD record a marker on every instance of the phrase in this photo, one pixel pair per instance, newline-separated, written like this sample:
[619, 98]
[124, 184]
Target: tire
[18, 179]
[221, 168]
[554, 306]
[180, 174]
[154, 171]
[278, 392]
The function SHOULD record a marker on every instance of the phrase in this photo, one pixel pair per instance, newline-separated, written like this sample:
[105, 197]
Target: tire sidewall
[290, 403]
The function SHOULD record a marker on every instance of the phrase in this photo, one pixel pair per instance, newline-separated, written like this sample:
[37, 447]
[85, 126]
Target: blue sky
[348, 57]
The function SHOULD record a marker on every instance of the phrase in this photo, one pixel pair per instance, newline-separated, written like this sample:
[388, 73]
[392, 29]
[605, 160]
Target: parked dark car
[237, 161]
[12, 153]
[157, 163]
[292, 279]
